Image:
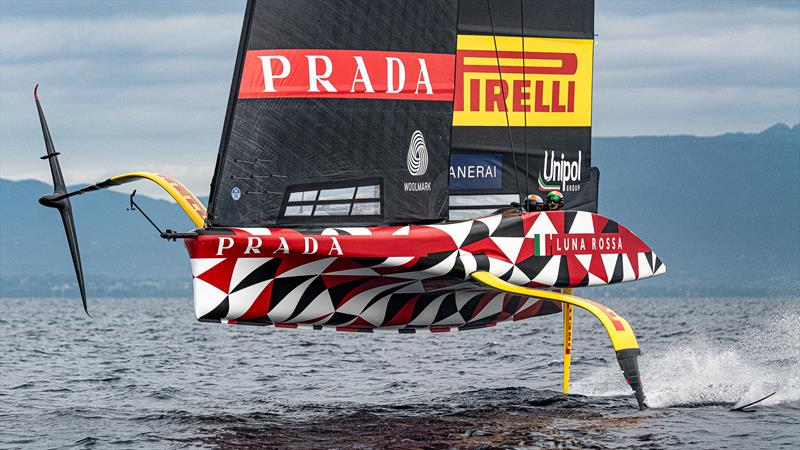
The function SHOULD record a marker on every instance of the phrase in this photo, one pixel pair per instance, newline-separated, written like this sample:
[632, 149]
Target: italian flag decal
[539, 245]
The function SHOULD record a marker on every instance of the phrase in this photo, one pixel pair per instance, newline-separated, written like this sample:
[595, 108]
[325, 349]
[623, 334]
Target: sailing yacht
[373, 164]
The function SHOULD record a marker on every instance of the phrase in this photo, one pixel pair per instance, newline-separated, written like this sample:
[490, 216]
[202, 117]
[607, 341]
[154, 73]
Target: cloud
[55, 39]
[767, 45]
[144, 85]
[695, 67]
[120, 91]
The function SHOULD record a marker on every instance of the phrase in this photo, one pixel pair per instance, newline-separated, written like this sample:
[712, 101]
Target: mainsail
[340, 114]
[376, 112]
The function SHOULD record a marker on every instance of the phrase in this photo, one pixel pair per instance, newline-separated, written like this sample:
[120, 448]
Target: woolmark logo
[417, 159]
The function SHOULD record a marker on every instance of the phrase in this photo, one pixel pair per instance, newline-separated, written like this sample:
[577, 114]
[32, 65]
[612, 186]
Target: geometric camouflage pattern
[408, 278]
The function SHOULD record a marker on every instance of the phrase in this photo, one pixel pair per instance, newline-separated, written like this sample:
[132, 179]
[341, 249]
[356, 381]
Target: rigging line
[505, 107]
[135, 207]
[524, 99]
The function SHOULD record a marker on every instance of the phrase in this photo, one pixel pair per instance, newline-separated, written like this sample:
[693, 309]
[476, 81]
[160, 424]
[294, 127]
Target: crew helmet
[534, 203]
[555, 199]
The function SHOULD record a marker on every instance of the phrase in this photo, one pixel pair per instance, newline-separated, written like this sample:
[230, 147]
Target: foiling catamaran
[370, 152]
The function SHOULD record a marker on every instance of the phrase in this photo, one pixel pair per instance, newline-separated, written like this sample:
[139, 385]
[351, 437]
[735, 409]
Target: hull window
[338, 201]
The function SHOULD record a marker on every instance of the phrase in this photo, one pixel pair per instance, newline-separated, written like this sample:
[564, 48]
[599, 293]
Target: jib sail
[340, 113]
[522, 108]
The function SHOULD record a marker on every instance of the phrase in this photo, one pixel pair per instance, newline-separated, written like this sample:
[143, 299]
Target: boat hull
[408, 278]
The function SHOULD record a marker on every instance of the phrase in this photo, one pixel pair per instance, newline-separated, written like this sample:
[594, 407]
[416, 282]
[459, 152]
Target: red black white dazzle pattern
[408, 278]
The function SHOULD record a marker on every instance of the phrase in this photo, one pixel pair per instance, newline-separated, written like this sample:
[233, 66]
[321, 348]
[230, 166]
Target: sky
[144, 85]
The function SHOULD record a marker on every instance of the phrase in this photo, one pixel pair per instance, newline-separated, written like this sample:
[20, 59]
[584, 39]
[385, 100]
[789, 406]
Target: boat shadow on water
[486, 418]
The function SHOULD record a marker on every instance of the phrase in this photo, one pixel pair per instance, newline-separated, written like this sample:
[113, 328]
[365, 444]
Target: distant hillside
[723, 213]
[121, 252]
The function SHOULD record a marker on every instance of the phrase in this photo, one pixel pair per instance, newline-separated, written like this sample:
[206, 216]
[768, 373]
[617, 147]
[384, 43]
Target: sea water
[145, 374]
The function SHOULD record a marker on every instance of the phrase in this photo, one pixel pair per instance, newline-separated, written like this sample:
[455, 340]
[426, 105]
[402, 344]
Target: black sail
[539, 139]
[340, 113]
[372, 112]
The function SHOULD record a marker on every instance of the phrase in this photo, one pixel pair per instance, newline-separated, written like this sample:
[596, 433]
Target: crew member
[555, 200]
[533, 203]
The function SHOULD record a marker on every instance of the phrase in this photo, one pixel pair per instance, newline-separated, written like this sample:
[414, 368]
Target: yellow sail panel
[498, 84]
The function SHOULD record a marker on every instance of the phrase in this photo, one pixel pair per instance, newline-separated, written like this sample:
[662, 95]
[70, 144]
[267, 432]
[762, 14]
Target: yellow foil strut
[622, 337]
[568, 316]
[188, 202]
[619, 331]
